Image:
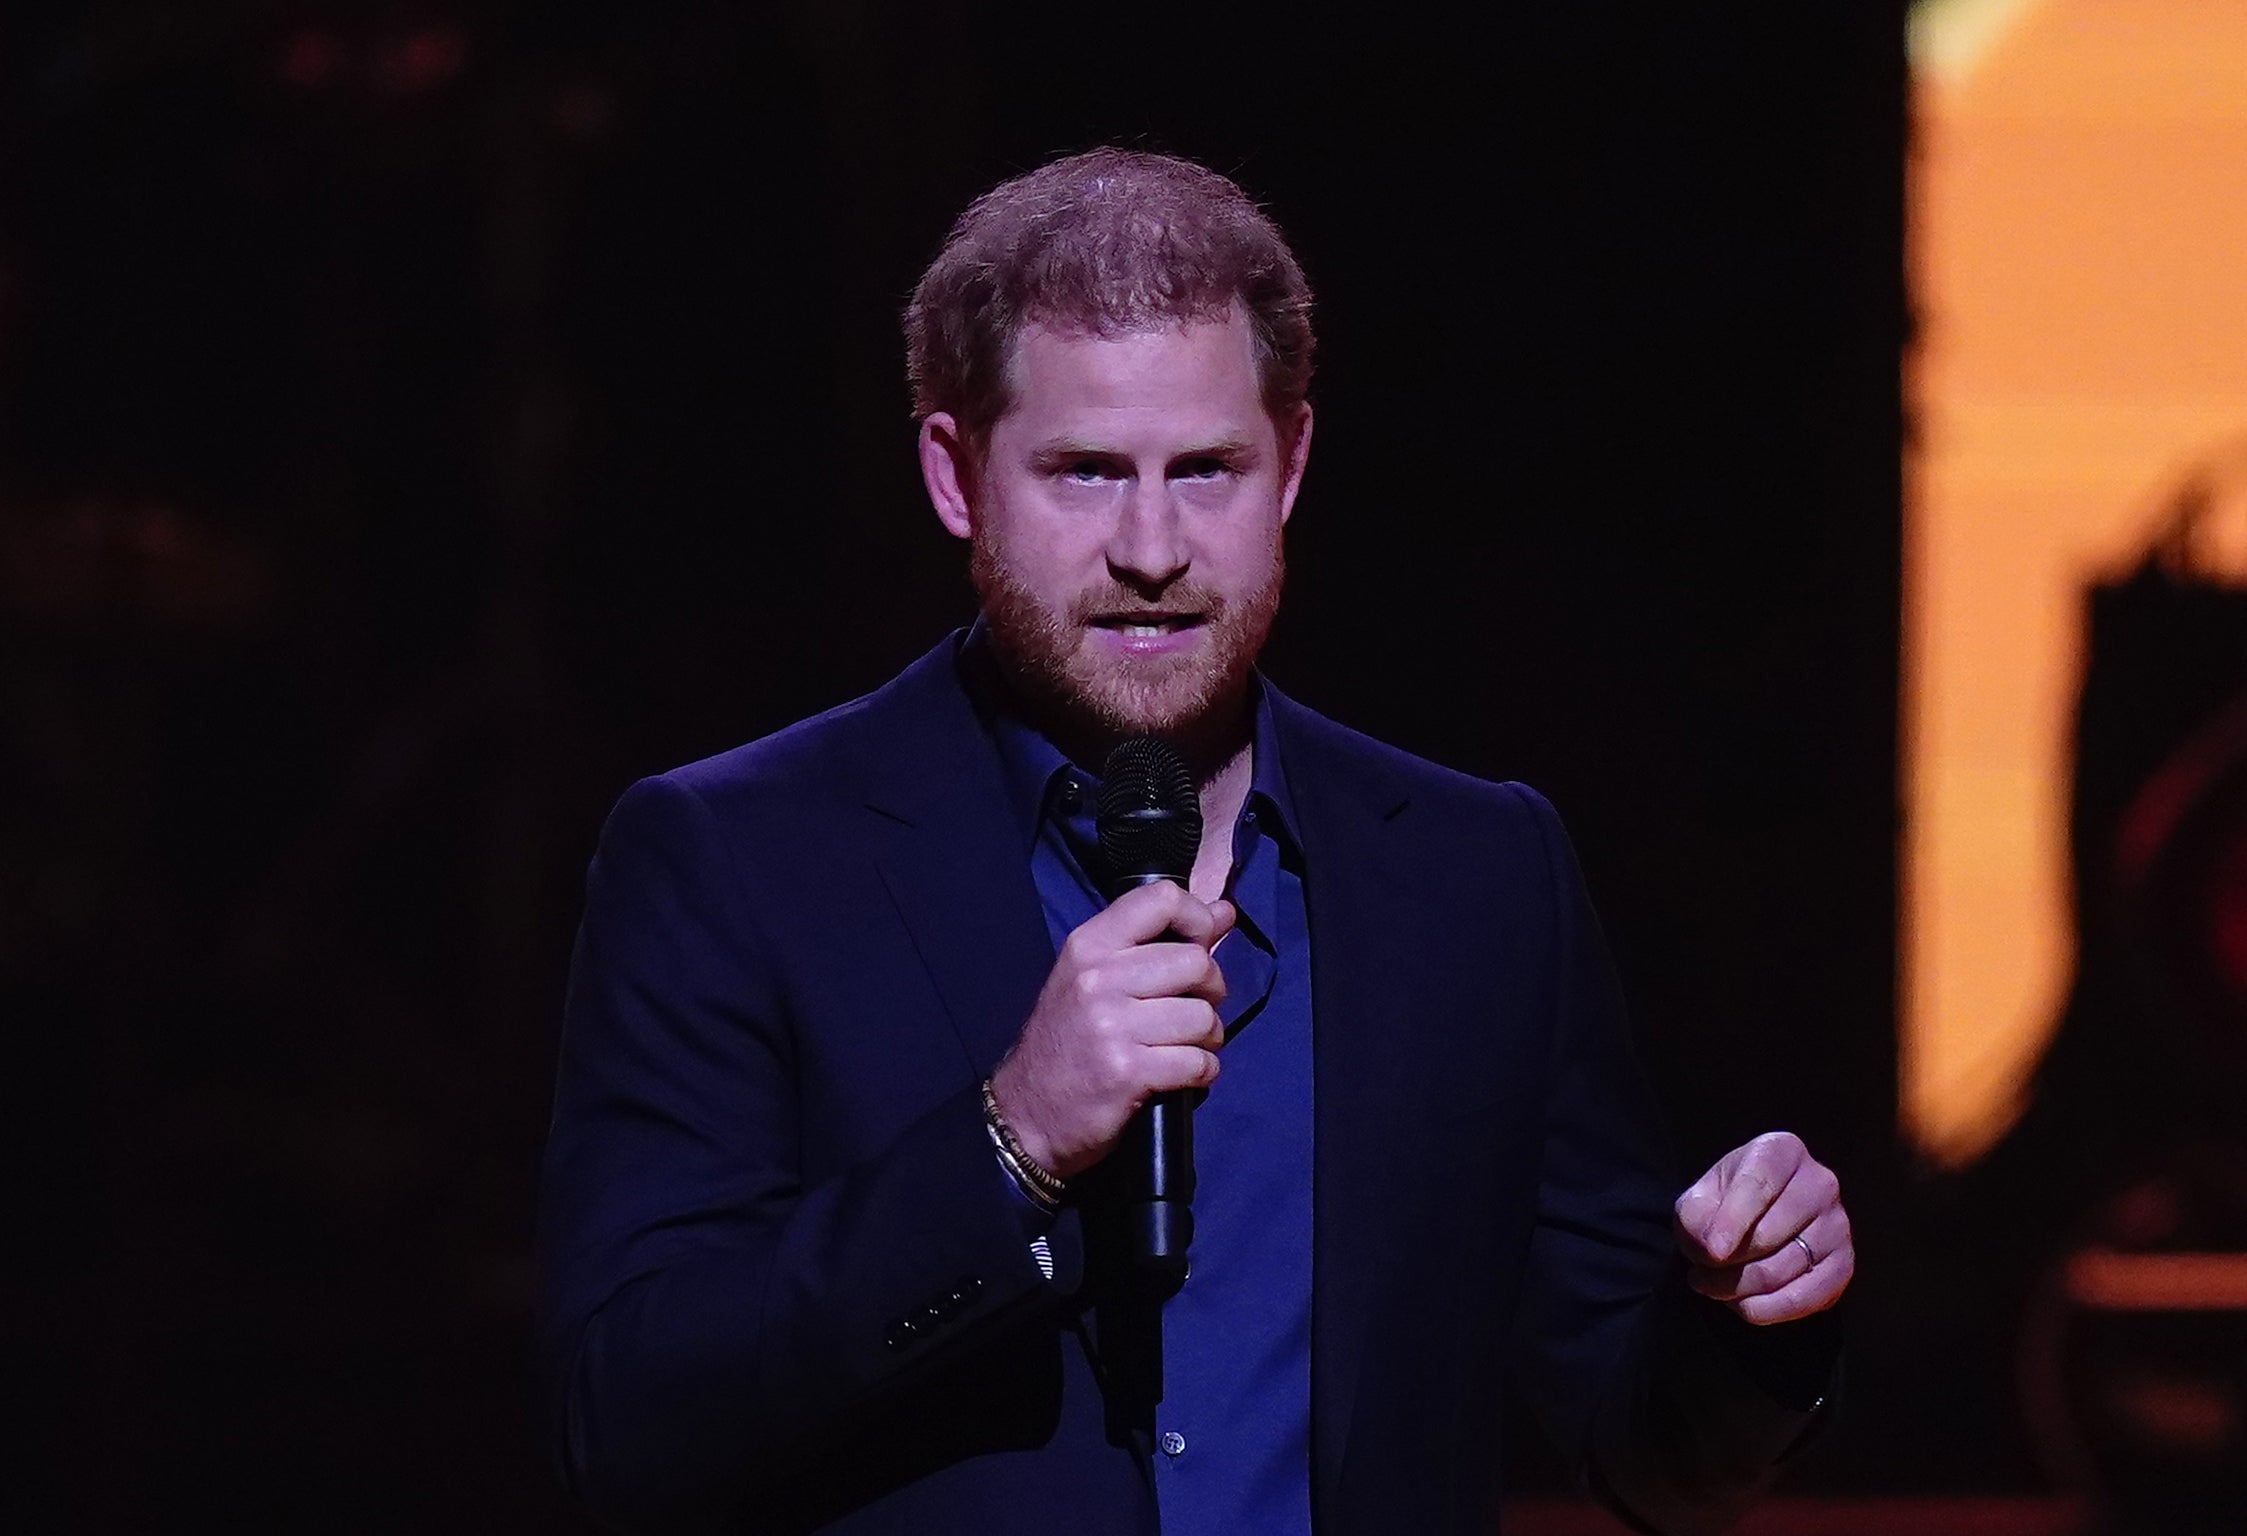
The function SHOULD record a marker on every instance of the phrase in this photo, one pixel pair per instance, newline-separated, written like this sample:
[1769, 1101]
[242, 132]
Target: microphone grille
[1150, 813]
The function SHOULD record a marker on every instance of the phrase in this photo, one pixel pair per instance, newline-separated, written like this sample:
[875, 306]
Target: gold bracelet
[1027, 1170]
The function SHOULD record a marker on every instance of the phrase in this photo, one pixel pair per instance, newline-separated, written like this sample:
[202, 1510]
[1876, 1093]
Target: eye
[1207, 466]
[1085, 471]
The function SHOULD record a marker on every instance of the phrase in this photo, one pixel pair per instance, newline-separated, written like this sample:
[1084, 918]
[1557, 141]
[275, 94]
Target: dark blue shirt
[1233, 1432]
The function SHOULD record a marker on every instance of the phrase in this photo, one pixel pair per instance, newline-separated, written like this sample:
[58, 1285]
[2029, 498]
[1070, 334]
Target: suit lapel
[953, 859]
[1359, 916]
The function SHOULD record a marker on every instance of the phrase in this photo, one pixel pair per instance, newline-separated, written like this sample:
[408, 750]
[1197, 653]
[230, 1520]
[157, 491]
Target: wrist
[1030, 1171]
[1005, 1099]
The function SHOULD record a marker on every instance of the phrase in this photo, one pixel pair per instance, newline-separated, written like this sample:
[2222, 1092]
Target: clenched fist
[1765, 1234]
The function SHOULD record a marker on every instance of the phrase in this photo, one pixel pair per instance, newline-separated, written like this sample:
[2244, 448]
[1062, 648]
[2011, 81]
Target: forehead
[1200, 374]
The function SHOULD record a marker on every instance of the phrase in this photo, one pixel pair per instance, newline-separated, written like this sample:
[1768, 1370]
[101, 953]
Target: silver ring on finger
[1804, 1244]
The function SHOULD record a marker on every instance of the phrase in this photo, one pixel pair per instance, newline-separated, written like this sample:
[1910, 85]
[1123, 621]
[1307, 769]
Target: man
[851, 1033]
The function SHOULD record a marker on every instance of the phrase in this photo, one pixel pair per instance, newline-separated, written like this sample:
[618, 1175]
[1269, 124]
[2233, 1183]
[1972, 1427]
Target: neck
[1223, 794]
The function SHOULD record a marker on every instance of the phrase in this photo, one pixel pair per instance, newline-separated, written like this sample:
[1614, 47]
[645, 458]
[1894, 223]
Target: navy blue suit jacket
[785, 1285]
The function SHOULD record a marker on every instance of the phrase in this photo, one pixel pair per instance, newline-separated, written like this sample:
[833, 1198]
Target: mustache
[1116, 599]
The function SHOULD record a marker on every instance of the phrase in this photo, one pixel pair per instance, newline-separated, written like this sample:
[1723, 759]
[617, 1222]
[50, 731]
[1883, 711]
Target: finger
[1718, 1282]
[1760, 1171]
[1173, 1067]
[1813, 1292]
[1164, 970]
[1168, 1021]
[1144, 914]
[1821, 1242]
[1211, 988]
[1695, 1209]
[1810, 1194]
[1223, 915]
[1190, 918]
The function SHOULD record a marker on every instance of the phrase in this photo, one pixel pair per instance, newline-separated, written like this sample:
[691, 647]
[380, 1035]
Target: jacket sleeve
[1677, 1414]
[706, 1314]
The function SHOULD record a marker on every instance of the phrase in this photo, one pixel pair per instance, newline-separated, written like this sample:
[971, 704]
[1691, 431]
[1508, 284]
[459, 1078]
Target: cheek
[1041, 531]
[1249, 548]
[1053, 571]
[1036, 574]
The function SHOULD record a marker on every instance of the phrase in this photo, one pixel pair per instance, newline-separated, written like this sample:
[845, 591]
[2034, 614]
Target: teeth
[1143, 631]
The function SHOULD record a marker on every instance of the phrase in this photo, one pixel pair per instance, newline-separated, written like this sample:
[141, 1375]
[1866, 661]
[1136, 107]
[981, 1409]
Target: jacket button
[1173, 1443]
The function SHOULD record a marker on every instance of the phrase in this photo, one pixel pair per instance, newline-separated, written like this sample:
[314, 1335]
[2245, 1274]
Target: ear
[948, 470]
[1297, 446]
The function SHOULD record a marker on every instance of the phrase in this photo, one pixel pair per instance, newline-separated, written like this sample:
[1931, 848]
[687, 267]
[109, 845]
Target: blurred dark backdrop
[422, 419]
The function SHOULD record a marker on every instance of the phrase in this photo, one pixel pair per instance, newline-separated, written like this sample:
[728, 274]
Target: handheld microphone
[1150, 823]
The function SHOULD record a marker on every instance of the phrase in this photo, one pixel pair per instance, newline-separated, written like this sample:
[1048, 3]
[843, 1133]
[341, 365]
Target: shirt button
[1072, 794]
[1173, 1443]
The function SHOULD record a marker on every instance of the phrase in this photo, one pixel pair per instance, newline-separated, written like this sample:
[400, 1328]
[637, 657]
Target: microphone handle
[1158, 1167]
[1156, 1156]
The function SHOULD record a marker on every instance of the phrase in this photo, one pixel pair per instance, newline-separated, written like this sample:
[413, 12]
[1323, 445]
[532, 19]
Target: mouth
[1147, 626]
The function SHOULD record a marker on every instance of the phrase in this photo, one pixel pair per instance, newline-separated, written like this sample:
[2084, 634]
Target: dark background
[417, 421]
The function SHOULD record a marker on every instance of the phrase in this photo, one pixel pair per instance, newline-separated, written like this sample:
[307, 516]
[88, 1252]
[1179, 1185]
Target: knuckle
[1777, 1154]
[1113, 1059]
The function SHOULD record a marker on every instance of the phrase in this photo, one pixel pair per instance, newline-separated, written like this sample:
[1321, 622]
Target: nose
[1148, 546]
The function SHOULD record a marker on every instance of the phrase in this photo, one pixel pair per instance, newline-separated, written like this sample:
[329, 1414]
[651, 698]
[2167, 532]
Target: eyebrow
[1222, 448]
[1228, 447]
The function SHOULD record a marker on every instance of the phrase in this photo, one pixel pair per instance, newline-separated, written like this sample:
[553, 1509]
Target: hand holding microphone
[1128, 1011]
[1127, 1024]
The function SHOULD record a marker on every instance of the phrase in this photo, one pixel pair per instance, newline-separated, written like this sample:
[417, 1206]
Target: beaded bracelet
[1041, 1185]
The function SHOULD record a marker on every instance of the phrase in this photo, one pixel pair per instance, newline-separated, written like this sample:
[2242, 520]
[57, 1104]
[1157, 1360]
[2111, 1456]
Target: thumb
[1695, 1212]
[1223, 914]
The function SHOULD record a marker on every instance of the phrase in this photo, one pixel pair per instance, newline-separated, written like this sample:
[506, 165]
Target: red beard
[1091, 700]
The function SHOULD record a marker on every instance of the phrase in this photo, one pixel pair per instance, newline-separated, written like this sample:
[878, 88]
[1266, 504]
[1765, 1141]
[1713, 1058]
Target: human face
[1125, 515]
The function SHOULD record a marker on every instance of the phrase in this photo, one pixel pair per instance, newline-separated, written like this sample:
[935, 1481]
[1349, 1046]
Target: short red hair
[1107, 241]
